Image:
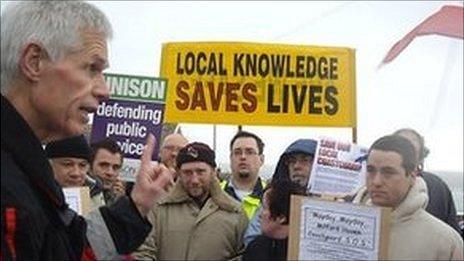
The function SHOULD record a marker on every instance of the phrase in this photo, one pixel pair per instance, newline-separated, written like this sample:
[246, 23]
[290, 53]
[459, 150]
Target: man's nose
[194, 179]
[75, 170]
[100, 88]
[376, 179]
[110, 172]
[243, 155]
[299, 164]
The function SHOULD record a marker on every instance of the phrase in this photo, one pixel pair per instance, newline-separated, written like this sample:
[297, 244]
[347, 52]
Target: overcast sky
[422, 88]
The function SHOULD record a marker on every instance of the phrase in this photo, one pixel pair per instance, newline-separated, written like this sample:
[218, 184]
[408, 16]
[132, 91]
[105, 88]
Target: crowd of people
[53, 57]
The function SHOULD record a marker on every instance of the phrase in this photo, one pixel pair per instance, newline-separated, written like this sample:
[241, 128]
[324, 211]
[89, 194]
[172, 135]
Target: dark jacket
[266, 248]
[305, 146]
[36, 221]
[441, 204]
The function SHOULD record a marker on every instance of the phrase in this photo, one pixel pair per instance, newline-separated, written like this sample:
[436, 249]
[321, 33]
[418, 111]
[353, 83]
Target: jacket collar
[258, 190]
[218, 196]
[20, 142]
[416, 199]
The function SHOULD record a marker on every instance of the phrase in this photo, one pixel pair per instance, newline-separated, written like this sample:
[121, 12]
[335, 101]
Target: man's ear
[413, 176]
[261, 157]
[31, 61]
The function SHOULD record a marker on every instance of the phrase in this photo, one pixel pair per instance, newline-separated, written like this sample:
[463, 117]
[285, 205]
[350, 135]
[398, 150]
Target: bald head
[170, 147]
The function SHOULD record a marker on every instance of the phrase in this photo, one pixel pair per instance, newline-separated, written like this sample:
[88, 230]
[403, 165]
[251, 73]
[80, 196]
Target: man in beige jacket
[391, 181]
[197, 220]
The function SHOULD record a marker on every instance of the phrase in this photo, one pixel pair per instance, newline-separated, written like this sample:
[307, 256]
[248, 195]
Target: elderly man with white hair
[52, 62]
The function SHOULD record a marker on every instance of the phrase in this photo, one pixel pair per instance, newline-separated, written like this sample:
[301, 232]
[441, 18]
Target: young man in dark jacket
[53, 56]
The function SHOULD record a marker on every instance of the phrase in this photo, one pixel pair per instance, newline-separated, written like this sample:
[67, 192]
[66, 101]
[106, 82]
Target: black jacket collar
[26, 150]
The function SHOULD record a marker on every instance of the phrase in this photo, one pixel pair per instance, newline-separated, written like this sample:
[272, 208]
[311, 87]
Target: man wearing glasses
[170, 147]
[246, 158]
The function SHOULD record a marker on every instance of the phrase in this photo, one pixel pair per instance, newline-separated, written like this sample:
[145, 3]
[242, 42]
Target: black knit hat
[74, 147]
[196, 151]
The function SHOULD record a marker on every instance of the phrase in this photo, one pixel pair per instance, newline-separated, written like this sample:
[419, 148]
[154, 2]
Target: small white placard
[78, 199]
[338, 169]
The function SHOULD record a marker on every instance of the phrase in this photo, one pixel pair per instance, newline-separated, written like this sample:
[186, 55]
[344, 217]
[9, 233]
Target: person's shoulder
[439, 229]
[229, 203]
[262, 240]
[433, 178]
[16, 187]
[223, 200]
[258, 249]
[12, 175]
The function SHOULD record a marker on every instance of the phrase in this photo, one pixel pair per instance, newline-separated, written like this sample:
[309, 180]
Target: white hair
[55, 25]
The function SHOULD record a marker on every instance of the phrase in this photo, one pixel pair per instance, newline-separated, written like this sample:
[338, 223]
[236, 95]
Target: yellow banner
[259, 84]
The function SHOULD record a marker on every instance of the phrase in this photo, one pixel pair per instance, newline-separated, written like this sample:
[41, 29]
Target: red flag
[447, 22]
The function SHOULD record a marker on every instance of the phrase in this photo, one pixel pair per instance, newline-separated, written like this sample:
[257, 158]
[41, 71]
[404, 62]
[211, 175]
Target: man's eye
[67, 164]
[104, 165]
[388, 172]
[94, 68]
[187, 173]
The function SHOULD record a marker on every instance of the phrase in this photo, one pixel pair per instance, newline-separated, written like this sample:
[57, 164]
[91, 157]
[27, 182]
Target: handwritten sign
[339, 168]
[325, 230]
[78, 199]
[259, 84]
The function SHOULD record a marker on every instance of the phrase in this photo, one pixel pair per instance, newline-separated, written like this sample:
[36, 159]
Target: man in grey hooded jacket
[294, 164]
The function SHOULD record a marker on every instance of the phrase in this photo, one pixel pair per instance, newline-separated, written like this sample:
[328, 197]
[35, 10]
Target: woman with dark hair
[272, 244]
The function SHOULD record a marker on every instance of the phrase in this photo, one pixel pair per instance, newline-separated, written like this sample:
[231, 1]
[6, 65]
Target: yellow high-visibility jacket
[251, 202]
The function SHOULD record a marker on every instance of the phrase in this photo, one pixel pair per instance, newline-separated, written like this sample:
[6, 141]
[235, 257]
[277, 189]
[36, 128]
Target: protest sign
[259, 84]
[135, 109]
[339, 168]
[78, 199]
[326, 230]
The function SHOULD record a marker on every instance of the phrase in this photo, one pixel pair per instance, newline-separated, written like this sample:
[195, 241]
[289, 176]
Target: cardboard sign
[78, 199]
[339, 168]
[325, 230]
[135, 109]
[259, 84]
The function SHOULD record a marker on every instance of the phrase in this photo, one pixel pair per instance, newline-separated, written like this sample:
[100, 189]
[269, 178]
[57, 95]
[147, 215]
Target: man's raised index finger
[148, 150]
